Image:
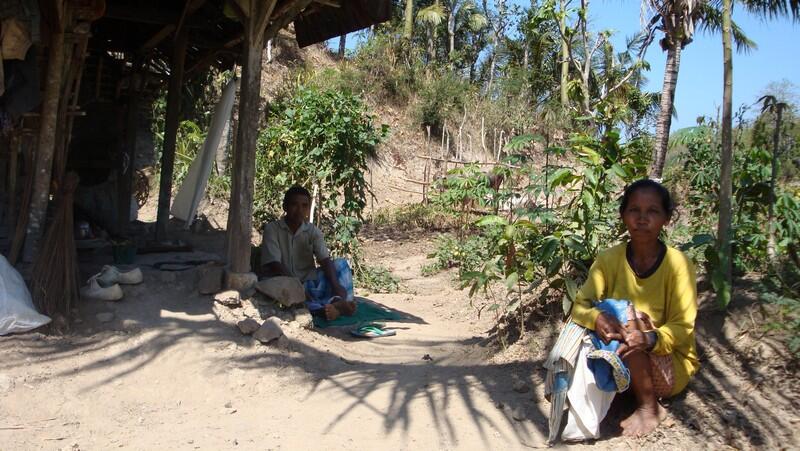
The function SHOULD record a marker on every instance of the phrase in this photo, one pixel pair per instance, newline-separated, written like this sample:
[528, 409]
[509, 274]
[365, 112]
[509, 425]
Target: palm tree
[766, 9]
[408, 22]
[460, 14]
[677, 20]
[772, 105]
[432, 16]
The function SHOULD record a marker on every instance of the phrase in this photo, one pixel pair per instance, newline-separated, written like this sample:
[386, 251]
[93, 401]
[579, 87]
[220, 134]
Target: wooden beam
[126, 164]
[331, 3]
[141, 14]
[203, 61]
[171, 124]
[157, 38]
[47, 145]
[279, 21]
[189, 9]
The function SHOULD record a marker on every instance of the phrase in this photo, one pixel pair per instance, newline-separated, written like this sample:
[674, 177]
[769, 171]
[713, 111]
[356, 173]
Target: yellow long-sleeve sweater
[668, 296]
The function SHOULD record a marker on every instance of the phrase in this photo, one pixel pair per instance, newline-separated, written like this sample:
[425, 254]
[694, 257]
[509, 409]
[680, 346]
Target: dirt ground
[166, 373]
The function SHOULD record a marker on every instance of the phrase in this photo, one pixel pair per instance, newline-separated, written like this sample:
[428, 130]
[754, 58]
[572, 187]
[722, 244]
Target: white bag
[17, 313]
[588, 405]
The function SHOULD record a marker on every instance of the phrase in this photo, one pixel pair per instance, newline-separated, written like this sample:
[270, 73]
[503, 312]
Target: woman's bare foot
[643, 420]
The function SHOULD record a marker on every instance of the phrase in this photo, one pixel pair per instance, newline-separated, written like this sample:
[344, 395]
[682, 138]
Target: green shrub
[377, 279]
[442, 98]
[316, 136]
[413, 216]
[465, 254]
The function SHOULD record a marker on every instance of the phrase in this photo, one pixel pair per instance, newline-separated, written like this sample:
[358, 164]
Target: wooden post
[128, 154]
[240, 217]
[171, 133]
[47, 144]
[14, 147]
[427, 170]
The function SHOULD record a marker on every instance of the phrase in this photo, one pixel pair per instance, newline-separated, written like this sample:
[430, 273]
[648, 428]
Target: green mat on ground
[365, 312]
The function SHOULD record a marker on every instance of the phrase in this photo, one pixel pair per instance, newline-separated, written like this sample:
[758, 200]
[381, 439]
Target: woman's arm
[681, 309]
[582, 312]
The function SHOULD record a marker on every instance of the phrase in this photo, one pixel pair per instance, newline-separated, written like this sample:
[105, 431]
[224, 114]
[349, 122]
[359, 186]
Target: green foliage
[546, 249]
[699, 172]
[413, 216]
[787, 320]
[377, 279]
[465, 254]
[197, 105]
[320, 137]
[462, 185]
[442, 98]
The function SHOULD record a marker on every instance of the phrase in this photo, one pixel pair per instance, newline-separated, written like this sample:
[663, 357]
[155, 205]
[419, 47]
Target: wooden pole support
[240, 212]
[46, 148]
[171, 124]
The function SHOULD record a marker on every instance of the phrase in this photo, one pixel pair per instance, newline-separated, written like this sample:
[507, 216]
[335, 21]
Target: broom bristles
[54, 285]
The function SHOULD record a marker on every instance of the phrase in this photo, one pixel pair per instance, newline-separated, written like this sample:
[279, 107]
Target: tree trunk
[451, 32]
[342, 45]
[776, 134]
[726, 163]
[562, 25]
[664, 121]
[408, 22]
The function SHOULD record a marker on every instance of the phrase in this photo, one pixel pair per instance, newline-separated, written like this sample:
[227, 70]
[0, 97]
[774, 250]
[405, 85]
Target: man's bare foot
[338, 308]
[346, 308]
[643, 421]
[331, 312]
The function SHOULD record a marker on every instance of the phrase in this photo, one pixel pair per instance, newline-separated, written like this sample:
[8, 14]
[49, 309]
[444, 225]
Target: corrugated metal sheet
[330, 22]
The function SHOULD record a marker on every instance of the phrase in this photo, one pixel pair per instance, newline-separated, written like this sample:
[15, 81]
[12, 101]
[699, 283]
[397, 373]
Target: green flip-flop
[371, 331]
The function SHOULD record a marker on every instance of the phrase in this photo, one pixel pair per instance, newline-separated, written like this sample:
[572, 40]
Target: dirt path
[165, 373]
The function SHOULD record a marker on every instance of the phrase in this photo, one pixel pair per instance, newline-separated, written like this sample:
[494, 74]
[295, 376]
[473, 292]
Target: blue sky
[699, 91]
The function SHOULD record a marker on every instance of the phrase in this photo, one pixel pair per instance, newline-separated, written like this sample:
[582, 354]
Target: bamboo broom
[54, 285]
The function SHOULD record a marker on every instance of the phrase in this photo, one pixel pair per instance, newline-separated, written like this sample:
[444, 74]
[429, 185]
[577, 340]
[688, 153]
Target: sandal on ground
[371, 331]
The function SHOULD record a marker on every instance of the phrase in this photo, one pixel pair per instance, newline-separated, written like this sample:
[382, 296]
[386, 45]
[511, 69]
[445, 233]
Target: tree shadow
[158, 316]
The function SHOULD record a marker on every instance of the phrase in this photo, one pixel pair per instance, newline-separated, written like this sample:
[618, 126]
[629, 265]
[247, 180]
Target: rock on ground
[229, 298]
[270, 330]
[248, 326]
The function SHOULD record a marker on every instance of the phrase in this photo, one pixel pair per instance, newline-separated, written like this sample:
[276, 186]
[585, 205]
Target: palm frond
[432, 15]
[478, 22]
[711, 22]
[773, 9]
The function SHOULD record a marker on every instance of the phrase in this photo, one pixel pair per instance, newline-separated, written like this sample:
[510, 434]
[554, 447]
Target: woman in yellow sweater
[660, 282]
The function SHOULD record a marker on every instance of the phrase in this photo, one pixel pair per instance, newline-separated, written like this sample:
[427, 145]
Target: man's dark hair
[661, 190]
[295, 191]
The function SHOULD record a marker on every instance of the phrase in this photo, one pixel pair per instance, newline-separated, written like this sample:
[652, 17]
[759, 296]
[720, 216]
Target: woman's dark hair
[295, 191]
[663, 192]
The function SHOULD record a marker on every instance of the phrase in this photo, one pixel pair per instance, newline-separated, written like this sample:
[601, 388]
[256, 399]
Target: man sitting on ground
[289, 247]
